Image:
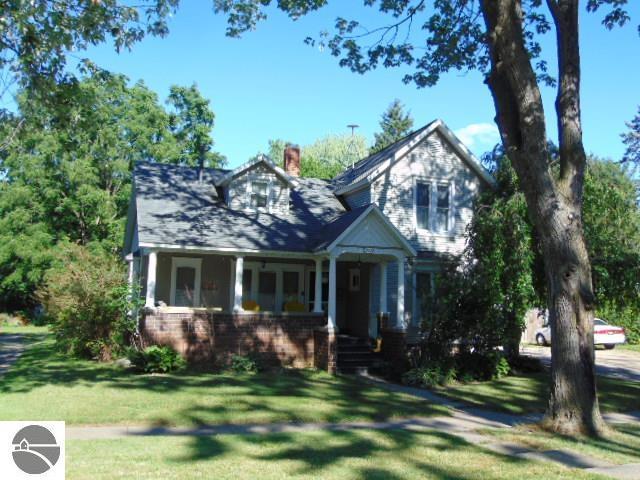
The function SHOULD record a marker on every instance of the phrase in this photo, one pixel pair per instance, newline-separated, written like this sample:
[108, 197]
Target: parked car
[603, 334]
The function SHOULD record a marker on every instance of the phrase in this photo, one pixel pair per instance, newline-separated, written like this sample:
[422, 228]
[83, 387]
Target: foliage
[67, 173]
[89, 301]
[429, 377]
[191, 124]
[632, 141]
[621, 315]
[37, 36]
[394, 124]
[244, 364]
[156, 359]
[326, 157]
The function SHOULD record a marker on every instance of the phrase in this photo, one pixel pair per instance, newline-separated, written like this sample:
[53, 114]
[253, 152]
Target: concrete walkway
[11, 347]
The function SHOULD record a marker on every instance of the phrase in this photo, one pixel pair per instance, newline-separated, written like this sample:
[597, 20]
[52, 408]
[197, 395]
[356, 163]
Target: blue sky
[269, 84]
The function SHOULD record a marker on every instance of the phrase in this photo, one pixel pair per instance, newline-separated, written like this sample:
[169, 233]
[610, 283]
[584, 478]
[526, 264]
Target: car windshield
[597, 321]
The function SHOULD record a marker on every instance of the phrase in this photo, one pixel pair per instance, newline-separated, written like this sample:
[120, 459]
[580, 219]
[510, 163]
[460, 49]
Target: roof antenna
[352, 152]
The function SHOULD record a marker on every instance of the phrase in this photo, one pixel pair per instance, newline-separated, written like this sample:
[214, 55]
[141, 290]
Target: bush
[156, 359]
[244, 364]
[431, 376]
[483, 366]
[88, 301]
[627, 316]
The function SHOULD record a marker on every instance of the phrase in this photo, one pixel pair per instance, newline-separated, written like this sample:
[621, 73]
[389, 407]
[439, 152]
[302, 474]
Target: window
[422, 204]
[290, 286]
[433, 206]
[267, 291]
[259, 194]
[312, 290]
[185, 282]
[442, 209]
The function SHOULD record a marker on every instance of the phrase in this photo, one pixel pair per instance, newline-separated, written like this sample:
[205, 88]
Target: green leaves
[394, 124]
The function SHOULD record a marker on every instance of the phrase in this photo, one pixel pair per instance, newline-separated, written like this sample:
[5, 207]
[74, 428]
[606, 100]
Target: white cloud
[479, 137]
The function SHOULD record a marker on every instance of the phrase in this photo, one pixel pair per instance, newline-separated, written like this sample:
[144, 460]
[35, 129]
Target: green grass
[46, 385]
[30, 329]
[526, 394]
[360, 454]
[627, 346]
[621, 445]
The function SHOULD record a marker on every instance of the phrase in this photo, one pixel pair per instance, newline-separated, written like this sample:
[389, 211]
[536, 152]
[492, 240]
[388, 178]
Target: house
[258, 260]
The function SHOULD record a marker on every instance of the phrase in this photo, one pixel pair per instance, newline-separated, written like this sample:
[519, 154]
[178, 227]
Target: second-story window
[433, 206]
[442, 209]
[423, 201]
[259, 194]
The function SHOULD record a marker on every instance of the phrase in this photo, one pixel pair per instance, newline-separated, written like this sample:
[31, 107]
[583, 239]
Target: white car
[603, 334]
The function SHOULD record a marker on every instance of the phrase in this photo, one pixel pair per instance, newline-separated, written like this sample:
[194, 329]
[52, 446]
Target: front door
[353, 298]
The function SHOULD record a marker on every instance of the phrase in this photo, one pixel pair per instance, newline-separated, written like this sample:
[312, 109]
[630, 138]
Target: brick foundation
[326, 350]
[204, 337]
[394, 349]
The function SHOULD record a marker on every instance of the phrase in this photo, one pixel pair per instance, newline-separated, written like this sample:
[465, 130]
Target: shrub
[156, 359]
[88, 301]
[483, 366]
[627, 316]
[525, 364]
[430, 376]
[244, 364]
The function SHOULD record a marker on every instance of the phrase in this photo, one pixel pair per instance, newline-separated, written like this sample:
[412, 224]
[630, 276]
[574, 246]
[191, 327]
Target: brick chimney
[292, 160]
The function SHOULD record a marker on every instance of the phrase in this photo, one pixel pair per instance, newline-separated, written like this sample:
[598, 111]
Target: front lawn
[621, 445]
[526, 394]
[627, 346]
[45, 385]
[359, 454]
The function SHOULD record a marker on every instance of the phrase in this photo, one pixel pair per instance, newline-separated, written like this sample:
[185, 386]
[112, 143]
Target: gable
[371, 232]
[241, 187]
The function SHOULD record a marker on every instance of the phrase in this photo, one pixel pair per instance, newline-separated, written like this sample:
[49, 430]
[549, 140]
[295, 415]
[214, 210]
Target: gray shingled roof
[362, 168]
[173, 208]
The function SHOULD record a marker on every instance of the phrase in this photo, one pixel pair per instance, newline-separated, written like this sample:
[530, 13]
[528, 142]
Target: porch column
[152, 265]
[129, 259]
[400, 315]
[317, 303]
[237, 290]
[383, 287]
[331, 320]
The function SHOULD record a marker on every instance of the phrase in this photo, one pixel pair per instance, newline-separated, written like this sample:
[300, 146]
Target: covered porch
[287, 307]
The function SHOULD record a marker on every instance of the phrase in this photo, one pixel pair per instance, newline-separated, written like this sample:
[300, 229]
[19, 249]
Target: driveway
[618, 363]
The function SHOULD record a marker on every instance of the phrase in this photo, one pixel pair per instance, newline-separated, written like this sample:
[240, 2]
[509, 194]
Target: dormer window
[433, 205]
[259, 194]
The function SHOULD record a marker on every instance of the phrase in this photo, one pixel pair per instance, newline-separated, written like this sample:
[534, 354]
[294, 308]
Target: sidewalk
[11, 347]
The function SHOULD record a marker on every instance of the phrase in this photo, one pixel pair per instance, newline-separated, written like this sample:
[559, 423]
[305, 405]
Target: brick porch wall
[203, 337]
[326, 350]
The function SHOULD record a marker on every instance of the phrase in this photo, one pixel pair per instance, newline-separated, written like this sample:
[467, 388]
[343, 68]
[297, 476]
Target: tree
[394, 124]
[632, 141]
[191, 124]
[67, 173]
[499, 38]
[37, 36]
[326, 157]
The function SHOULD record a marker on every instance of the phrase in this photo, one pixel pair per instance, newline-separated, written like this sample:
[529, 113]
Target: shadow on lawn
[313, 453]
[197, 398]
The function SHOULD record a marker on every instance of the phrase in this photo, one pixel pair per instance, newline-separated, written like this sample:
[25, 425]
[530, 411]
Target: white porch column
[331, 320]
[400, 316]
[317, 302]
[130, 277]
[383, 287]
[152, 266]
[237, 290]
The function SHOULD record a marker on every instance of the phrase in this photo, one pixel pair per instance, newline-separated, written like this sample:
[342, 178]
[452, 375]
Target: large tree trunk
[554, 203]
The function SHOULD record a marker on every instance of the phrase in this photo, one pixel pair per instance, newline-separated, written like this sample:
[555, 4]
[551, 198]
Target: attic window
[259, 194]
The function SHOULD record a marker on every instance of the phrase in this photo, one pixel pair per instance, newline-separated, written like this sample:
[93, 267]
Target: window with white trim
[259, 194]
[433, 205]
[185, 281]
[423, 200]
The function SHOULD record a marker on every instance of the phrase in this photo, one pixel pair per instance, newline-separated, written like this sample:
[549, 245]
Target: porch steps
[355, 355]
